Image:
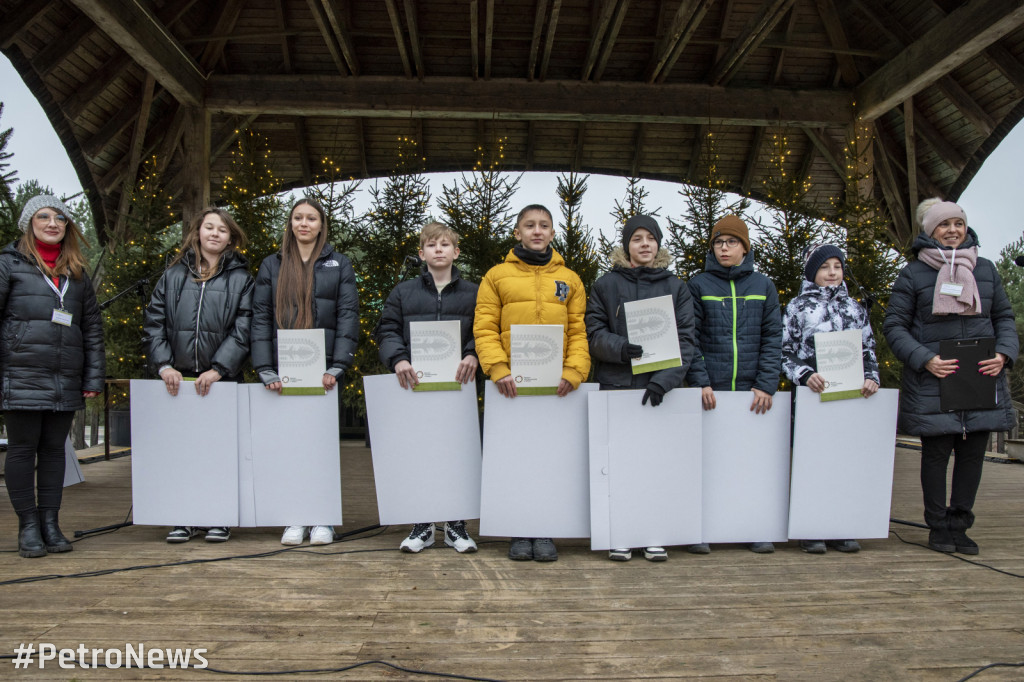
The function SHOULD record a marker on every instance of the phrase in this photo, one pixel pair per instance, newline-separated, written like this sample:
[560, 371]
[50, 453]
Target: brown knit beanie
[731, 226]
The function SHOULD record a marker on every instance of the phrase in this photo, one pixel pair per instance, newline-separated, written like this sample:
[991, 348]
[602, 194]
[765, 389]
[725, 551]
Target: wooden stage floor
[894, 611]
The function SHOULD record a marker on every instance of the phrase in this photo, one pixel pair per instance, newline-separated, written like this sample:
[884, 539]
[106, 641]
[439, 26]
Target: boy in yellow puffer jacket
[532, 286]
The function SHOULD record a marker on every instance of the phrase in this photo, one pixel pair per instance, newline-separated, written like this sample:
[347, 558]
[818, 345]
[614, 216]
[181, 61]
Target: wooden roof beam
[950, 155]
[960, 36]
[1008, 65]
[825, 145]
[910, 143]
[227, 135]
[303, 149]
[517, 99]
[139, 33]
[638, 149]
[581, 133]
[755, 152]
[902, 230]
[15, 22]
[225, 24]
[686, 20]
[604, 18]
[837, 36]
[111, 128]
[361, 143]
[968, 106]
[338, 18]
[695, 153]
[549, 40]
[286, 51]
[609, 42]
[324, 24]
[474, 39]
[414, 37]
[134, 156]
[56, 51]
[488, 38]
[538, 29]
[396, 26]
[531, 142]
[780, 57]
[757, 29]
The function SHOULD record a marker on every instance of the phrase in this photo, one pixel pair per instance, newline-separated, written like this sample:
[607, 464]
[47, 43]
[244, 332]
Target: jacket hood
[661, 260]
[712, 266]
[556, 259]
[812, 289]
[12, 248]
[923, 241]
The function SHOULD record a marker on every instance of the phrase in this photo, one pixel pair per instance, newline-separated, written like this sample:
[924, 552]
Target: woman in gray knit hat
[51, 355]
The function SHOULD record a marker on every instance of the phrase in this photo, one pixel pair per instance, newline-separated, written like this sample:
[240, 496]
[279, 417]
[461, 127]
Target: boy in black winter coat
[639, 273]
[439, 293]
[739, 329]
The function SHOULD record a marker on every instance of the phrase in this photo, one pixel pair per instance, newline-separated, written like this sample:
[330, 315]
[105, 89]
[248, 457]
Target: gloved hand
[631, 351]
[655, 394]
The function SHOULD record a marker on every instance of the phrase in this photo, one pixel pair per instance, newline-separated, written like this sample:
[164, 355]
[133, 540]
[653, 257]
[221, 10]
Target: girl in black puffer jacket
[308, 285]
[197, 323]
[51, 357]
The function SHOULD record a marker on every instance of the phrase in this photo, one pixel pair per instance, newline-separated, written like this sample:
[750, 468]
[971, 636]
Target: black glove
[655, 394]
[631, 351]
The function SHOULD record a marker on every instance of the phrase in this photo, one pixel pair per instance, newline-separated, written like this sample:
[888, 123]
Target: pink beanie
[944, 210]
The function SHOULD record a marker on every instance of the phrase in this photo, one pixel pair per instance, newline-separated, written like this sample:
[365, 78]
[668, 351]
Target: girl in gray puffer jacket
[197, 322]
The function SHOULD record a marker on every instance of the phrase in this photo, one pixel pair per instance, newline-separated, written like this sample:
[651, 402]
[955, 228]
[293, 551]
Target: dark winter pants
[33, 434]
[970, 455]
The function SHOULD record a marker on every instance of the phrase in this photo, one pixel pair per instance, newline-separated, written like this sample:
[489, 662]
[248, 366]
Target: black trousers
[35, 457]
[970, 456]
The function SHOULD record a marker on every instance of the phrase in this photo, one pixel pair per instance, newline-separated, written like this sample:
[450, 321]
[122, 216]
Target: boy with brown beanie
[739, 329]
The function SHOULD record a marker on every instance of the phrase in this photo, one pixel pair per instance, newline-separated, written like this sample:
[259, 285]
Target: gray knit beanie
[37, 202]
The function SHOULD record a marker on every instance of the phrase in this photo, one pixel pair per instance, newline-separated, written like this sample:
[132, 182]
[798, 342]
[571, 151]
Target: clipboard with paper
[967, 389]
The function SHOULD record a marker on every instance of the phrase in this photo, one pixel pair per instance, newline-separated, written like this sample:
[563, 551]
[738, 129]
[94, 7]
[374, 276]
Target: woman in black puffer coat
[197, 322]
[308, 285]
[51, 358]
[921, 313]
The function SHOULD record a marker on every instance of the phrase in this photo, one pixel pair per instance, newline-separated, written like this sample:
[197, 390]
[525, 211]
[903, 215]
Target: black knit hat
[638, 221]
[816, 254]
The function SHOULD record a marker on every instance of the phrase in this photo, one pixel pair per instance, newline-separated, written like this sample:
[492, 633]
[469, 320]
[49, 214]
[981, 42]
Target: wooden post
[195, 193]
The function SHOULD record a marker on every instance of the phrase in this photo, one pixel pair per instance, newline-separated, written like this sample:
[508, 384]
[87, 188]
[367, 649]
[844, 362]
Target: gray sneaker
[699, 548]
[544, 550]
[762, 547]
[520, 549]
[182, 534]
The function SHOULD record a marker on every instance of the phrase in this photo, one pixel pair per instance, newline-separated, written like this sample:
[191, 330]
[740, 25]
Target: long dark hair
[293, 306]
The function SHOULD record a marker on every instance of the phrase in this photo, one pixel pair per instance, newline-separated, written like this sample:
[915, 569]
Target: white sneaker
[321, 535]
[422, 535]
[293, 535]
[455, 536]
[655, 553]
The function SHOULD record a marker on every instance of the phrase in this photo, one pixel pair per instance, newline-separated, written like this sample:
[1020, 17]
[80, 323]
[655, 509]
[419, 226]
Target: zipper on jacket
[735, 346]
[199, 314]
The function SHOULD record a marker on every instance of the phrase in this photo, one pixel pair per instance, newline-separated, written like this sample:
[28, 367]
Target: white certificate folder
[651, 324]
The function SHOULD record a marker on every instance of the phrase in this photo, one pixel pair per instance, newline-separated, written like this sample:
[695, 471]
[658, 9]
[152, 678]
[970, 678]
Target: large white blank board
[745, 469]
[422, 472]
[536, 465]
[843, 454]
[296, 465]
[184, 455]
[645, 480]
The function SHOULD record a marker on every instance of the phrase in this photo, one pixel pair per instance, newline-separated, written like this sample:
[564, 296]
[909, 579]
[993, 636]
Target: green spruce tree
[388, 235]
[1013, 282]
[575, 242]
[688, 239]
[478, 206]
[9, 210]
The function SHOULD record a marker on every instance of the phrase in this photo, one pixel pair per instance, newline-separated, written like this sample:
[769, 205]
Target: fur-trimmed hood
[619, 258]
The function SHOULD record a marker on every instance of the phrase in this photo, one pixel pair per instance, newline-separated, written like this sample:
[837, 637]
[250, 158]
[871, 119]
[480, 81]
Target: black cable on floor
[345, 537]
[991, 665]
[956, 556]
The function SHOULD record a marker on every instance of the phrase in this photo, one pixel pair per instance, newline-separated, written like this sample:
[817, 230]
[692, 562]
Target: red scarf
[49, 253]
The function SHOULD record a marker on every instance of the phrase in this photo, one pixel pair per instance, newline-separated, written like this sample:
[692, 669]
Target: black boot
[52, 537]
[959, 521]
[30, 542]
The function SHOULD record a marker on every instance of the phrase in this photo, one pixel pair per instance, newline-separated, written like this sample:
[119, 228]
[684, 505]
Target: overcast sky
[988, 201]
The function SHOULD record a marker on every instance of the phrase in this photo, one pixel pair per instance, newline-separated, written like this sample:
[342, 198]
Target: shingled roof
[622, 87]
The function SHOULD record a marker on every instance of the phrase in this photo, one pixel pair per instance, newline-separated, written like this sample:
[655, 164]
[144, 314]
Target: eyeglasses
[57, 218]
[731, 242]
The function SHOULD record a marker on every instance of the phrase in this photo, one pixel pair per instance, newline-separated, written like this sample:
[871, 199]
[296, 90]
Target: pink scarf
[956, 268]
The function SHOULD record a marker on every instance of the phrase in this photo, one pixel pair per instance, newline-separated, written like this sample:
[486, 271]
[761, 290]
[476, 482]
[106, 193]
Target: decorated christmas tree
[788, 224]
[575, 241]
[478, 206]
[251, 192]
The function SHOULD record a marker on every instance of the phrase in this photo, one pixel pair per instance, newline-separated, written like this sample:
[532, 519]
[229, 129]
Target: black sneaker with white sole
[421, 537]
[455, 536]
